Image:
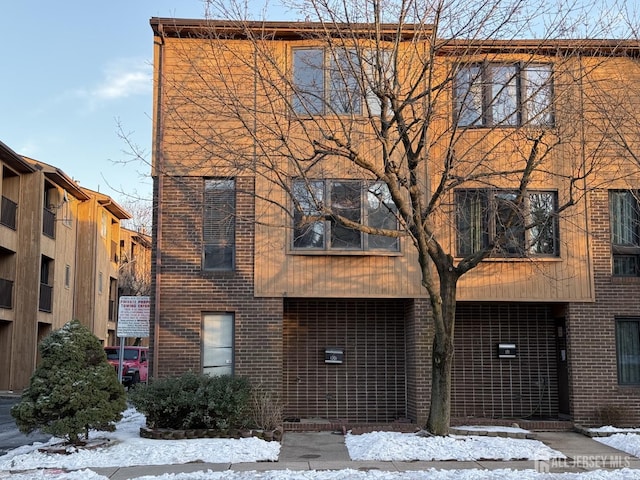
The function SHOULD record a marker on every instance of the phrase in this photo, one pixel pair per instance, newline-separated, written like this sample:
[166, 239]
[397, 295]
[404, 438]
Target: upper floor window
[104, 224]
[625, 232]
[361, 202]
[326, 82]
[219, 224]
[495, 94]
[339, 81]
[486, 218]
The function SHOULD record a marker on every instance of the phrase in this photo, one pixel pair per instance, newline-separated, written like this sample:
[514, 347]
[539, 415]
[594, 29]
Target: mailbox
[333, 355]
[507, 350]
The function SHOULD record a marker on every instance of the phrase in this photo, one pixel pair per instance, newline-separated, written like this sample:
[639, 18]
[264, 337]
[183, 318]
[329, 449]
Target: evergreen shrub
[194, 401]
[73, 389]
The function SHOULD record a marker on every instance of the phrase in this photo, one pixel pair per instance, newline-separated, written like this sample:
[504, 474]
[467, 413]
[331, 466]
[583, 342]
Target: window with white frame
[217, 344]
[496, 94]
[319, 203]
[489, 217]
[625, 232]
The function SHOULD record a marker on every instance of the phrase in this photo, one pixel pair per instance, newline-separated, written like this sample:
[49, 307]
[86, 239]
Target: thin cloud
[123, 79]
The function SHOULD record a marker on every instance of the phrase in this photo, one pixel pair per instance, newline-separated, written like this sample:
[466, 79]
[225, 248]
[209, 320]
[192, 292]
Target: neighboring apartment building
[135, 263]
[335, 320]
[98, 264]
[46, 255]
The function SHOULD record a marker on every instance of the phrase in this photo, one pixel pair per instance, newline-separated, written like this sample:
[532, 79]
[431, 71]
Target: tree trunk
[442, 358]
[441, 363]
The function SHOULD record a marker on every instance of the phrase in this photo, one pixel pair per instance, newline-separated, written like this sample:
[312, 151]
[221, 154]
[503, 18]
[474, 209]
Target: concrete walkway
[327, 451]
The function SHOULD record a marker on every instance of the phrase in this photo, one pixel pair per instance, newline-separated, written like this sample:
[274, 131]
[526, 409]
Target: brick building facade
[346, 336]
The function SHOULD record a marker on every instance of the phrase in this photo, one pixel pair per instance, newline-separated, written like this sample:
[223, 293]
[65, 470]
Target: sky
[125, 448]
[75, 72]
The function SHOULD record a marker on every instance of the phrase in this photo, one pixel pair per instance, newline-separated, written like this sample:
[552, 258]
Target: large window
[492, 94]
[218, 233]
[487, 218]
[318, 203]
[628, 350]
[339, 81]
[625, 232]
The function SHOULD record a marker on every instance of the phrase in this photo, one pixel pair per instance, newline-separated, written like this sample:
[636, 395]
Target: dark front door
[563, 367]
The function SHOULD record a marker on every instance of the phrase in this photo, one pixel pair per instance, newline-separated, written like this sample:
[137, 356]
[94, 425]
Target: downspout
[158, 171]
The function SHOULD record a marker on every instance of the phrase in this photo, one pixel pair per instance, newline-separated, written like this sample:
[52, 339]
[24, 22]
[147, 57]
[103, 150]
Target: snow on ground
[611, 429]
[627, 442]
[128, 449]
[350, 474]
[491, 428]
[389, 446]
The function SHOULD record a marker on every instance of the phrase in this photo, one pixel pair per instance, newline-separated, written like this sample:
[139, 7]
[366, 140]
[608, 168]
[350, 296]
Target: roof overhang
[15, 161]
[209, 28]
[58, 177]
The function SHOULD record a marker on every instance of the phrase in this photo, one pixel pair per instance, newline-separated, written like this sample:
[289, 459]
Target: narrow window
[346, 199]
[67, 276]
[308, 230]
[628, 350]
[217, 344]
[625, 233]
[219, 224]
[308, 81]
[344, 90]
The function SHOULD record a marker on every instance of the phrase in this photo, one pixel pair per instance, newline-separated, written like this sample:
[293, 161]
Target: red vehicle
[135, 365]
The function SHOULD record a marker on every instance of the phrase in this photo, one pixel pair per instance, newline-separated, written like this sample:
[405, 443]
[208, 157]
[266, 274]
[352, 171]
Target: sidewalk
[327, 451]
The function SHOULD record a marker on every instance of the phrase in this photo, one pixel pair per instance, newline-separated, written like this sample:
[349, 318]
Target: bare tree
[470, 142]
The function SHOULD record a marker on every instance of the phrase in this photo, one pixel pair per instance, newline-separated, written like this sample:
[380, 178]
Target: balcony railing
[6, 293]
[45, 303]
[8, 211]
[49, 223]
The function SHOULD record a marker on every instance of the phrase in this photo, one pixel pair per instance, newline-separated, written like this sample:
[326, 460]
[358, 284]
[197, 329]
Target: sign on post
[133, 316]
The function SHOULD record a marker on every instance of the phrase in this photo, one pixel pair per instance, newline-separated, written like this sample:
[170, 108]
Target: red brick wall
[487, 386]
[591, 331]
[370, 385]
[187, 292]
[419, 343]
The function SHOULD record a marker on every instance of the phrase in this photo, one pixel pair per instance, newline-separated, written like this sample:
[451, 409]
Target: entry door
[217, 344]
[563, 367]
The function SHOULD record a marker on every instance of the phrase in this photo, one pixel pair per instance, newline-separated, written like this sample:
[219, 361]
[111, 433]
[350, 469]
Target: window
[484, 217]
[491, 94]
[104, 221]
[67, 276]
[366, 203]
[219, 224]
[217, 344]
[625, 233]
[330, 81]
[628, 350]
